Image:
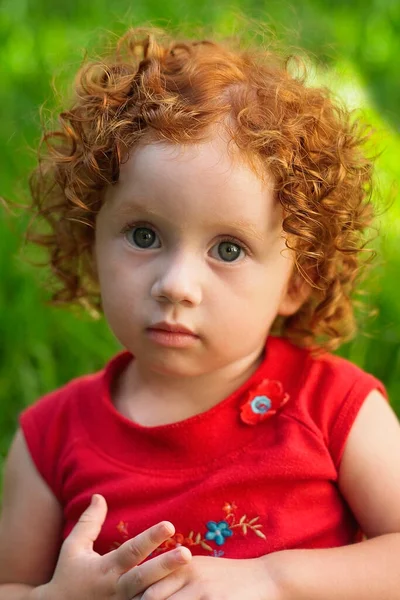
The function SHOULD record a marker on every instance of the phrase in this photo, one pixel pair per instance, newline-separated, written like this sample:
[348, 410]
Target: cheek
[266, 287]
[245, 297]
[265, 281]
[118, 280]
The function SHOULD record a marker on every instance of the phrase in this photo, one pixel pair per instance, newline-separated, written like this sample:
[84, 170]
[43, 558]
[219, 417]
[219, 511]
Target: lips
[172, 328]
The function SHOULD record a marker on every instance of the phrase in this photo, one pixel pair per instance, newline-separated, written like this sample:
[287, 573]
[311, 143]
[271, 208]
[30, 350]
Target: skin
[193, 198]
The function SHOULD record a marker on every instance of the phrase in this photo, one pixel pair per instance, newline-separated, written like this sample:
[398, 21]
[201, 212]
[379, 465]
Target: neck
[152, 399]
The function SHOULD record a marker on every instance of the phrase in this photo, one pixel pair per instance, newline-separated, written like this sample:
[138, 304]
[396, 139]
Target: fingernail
[169, 528]
[182, 554]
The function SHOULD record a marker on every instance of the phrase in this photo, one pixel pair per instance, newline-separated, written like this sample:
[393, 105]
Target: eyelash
[225, 238]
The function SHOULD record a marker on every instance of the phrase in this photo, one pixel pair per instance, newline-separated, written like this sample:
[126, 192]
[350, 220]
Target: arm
[32, 566]
[369, 479]
[30, 526]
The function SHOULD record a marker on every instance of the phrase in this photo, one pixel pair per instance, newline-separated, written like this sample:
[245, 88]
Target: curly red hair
[153, 86]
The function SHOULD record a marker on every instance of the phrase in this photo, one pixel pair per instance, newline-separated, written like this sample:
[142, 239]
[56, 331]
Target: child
[216, 205]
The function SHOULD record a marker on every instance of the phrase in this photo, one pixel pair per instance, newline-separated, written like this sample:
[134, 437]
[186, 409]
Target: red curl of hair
[177, 91]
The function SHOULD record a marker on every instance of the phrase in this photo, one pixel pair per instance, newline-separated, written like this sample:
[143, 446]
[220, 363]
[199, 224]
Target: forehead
[205, 181]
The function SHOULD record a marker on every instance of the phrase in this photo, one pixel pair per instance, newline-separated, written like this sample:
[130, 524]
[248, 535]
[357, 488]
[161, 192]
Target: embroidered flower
[218, 532]
[177, 540]
[229, 507]
[263, 402]
[122, 528]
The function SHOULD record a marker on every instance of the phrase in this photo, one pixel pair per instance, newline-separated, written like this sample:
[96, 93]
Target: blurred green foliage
[43, 40]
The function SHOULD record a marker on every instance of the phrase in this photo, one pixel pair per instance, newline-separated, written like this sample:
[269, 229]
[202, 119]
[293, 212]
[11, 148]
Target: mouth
[172, 335]
[172, 328]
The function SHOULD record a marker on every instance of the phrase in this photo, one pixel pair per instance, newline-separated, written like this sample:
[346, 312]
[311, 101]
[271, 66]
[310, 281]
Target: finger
[89, 525]
[140, 578]
[136, 550]
[168, 585]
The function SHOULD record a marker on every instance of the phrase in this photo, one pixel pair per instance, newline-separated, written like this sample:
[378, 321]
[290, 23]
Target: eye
[142, 237]
[227, 251]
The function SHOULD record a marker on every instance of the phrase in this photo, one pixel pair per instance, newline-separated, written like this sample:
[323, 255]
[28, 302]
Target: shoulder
[322, 373]
[340, 373]
[335, 388]
[78, 391]
[58, 403]
[327, 393]
[58, 420]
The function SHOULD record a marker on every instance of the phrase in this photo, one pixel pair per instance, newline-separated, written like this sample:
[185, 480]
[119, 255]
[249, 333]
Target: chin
[176, 368]
[174, 364]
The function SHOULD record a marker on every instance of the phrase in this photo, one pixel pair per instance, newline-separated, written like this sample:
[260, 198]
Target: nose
[178, 281]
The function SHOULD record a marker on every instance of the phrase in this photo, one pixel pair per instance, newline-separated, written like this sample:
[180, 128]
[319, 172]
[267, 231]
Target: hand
[82, 574]
[207, 578]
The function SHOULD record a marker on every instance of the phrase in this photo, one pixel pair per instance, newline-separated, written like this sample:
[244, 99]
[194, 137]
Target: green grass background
[358, 44]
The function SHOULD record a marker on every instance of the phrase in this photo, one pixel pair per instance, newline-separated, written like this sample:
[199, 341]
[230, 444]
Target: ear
[297, 292]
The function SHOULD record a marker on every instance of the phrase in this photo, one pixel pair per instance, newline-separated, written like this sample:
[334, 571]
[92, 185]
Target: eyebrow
[129, 207]
[241, 225]
[246, 228]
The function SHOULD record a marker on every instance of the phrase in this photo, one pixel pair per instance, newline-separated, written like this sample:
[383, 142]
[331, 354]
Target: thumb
[88, 527]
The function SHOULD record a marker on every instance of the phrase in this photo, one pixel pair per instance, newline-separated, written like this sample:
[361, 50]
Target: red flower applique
[263, 402]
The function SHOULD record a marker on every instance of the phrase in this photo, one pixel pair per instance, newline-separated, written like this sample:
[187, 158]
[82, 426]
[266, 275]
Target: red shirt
[239, 480]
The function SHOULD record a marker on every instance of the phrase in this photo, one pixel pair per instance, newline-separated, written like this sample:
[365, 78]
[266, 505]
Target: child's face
[189, 236]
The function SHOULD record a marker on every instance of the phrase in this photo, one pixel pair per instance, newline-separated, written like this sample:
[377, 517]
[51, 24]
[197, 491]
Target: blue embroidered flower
[218, 532]
[260, 404]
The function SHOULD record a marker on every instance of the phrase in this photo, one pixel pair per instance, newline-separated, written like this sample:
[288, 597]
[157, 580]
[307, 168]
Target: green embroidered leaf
[205, 546]
[260, 534]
